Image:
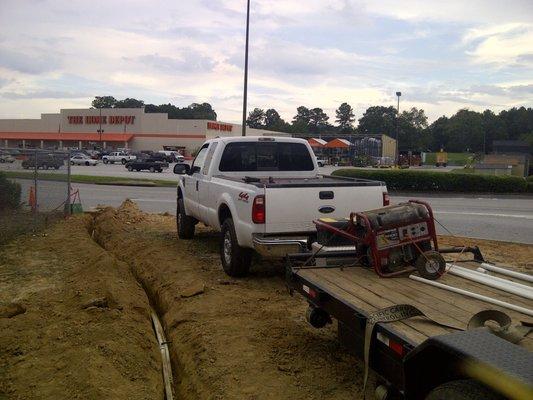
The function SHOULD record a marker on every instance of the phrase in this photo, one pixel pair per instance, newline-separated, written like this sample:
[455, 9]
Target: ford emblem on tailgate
[326, 209]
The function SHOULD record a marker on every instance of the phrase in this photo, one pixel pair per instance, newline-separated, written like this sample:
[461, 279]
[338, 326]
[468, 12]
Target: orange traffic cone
[31, 199]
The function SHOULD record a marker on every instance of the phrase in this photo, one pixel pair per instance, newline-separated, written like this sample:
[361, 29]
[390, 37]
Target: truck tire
[87, 163]
[130, 168]
[462, 390]
[152, 169]
[123, 161]
[184, 223]
[105, 161]
[236, 260]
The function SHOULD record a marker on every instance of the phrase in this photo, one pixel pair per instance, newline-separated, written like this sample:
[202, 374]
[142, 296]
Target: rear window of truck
[265, 156]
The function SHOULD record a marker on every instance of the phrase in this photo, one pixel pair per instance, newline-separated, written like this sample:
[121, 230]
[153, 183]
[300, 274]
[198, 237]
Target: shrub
[9, 193]
[428, 181]
[530, 178]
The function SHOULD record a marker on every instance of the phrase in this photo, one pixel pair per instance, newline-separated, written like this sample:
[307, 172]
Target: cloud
[44, 94]
[189, 61]
[28, 63]
[472, 11]
[501, 44]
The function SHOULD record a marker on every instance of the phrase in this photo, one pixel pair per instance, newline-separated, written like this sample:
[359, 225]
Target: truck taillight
[258, 210]
[386, 199]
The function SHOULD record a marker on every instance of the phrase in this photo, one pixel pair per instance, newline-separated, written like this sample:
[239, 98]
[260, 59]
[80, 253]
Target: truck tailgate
[294, 209]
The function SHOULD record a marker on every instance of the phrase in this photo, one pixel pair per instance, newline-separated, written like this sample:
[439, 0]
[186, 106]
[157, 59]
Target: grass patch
[19, 222]
[428, 181]
[98, 180]
[453, 158]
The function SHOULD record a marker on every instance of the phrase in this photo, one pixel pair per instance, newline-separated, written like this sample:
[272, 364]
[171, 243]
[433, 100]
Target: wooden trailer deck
[364, 290]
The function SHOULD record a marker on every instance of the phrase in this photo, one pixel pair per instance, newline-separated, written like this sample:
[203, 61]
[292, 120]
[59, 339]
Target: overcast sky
[442, 56]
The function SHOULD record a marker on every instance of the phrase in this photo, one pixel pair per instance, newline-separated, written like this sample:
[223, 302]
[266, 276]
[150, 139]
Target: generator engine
[393, 239]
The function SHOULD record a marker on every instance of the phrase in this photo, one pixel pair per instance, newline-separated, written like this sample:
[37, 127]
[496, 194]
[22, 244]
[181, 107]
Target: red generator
[393, 240]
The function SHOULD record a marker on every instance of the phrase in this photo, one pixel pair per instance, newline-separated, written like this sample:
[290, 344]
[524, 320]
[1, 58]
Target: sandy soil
[506, 253]
[229, 339]
[74, 323]
[233, 339]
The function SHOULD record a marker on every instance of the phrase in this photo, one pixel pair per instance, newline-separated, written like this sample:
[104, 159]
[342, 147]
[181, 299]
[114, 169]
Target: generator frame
[370, 237]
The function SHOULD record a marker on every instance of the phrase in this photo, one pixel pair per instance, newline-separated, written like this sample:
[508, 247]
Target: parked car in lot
[321, 162]
[6, 158]
[43, 161]
[117, 156]
[171, 155]
[82, 159]
[149, 164]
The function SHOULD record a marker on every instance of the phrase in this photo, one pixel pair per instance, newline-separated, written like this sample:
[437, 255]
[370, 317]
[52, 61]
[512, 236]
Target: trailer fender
[505, 368]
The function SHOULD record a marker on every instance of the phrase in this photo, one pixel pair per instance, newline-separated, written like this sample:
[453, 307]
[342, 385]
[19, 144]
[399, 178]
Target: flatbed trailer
[414, 356]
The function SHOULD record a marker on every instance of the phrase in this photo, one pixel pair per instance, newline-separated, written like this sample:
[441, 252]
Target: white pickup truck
[263, 194]
[118, 156]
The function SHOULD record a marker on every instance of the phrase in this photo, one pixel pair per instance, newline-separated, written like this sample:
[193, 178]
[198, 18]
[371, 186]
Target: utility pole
[100, 131]
[245, 95]
[398, 129]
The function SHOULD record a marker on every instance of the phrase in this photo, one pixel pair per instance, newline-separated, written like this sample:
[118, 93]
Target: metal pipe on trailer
[476, 296]
[492, 281]
[504, 271]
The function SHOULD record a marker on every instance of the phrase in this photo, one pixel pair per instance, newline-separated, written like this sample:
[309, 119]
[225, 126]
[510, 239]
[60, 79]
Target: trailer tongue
[413, 335]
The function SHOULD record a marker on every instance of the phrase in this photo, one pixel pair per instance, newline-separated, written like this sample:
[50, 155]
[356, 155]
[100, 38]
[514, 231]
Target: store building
[113, 128]
[346, 149]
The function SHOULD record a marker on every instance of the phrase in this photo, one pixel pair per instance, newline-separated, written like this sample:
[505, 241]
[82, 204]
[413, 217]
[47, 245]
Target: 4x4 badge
[243, 196]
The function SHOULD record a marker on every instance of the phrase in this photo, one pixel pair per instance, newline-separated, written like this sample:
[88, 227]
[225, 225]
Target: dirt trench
[74, 323]
[230, 339]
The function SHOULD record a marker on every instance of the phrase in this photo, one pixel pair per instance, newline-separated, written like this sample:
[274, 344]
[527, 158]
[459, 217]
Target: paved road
[507, 218]
[119, 170]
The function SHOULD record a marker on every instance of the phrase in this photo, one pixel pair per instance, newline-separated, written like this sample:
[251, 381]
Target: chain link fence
[34, 190]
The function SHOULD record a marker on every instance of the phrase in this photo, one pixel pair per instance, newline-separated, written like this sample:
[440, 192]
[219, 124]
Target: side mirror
[182, 169]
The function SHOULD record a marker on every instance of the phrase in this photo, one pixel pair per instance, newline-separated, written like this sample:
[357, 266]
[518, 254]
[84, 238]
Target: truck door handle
[326, 195]
[197, 185]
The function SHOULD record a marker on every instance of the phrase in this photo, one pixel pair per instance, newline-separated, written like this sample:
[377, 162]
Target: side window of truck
[198, 162]
[209, 158]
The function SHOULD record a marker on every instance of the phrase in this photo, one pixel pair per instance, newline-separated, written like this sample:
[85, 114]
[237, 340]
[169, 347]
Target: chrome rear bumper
[279, 247]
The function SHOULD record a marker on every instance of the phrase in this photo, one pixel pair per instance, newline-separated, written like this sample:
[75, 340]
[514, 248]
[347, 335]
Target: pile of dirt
[74, 323]
[230, 339]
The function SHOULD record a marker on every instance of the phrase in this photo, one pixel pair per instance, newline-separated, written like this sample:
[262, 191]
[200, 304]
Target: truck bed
[295, 182]
[365, 292]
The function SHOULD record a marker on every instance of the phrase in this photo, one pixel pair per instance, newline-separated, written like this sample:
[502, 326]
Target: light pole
[100, 131]
[245, 95]
[398, 94]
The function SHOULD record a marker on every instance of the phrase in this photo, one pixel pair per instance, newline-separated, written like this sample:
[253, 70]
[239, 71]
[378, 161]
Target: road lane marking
[521, 216]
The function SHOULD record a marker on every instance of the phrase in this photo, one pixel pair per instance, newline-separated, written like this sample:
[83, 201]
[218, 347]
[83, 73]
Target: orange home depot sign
[219, 127]
[104, 119]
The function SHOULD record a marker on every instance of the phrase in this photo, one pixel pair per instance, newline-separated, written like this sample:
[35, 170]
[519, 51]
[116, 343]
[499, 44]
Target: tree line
[192, 111]
[466, 130]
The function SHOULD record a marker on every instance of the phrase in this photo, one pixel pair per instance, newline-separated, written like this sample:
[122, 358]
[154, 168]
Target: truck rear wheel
[462, 390]
[236, 260]
[184, 223]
